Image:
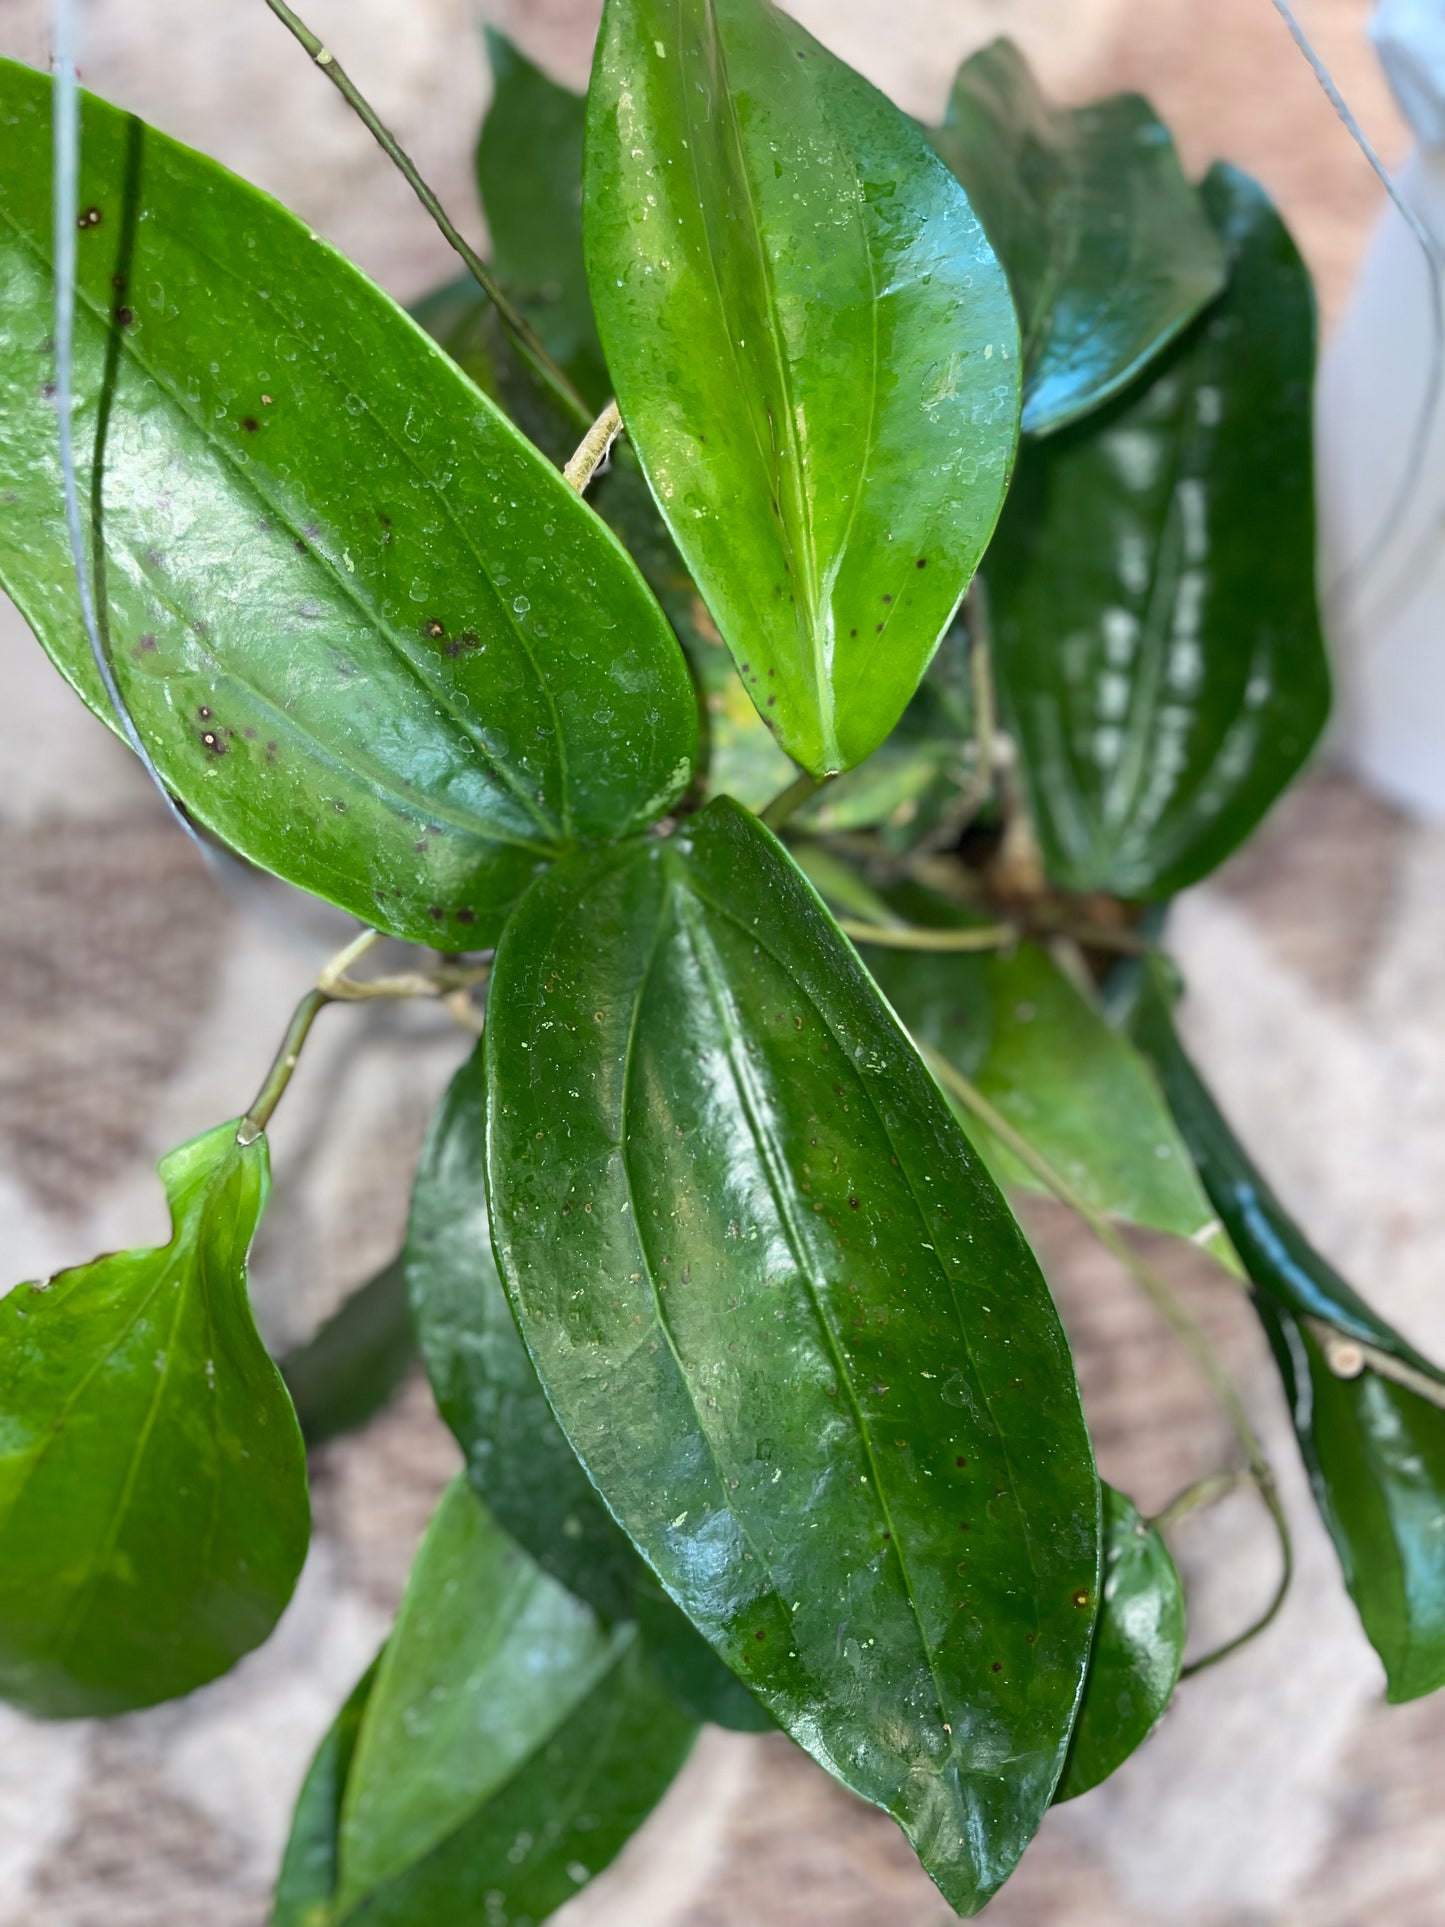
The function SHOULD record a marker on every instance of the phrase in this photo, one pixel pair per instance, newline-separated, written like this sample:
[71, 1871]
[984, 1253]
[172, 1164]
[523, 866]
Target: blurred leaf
[310, 1867]
[689, 1668]
[1374, 1448]
[1157, 639]
[348, 1372]
[371, 637]
[1108, 251]
[1138, 1649]
[729, 1203]
[153, 1508]
[529, 171]
[505, 1750]
[813, 347]
[1042, 1053]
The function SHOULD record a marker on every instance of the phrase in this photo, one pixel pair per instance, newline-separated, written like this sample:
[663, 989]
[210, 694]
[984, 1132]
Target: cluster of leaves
[767, 1413]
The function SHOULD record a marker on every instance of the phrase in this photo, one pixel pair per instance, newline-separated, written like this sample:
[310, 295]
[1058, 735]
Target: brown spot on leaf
[251, 425]
[90, 218]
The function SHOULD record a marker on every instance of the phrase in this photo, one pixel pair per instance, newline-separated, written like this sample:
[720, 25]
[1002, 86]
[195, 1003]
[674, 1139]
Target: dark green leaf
[310, 1867]
[1157, 639]
[529, 170]
[1138, 1648]
[729, 1204]
[1108, 251]
[689, 1668]
[153, 1509]
[371, 637]
[345, 1374]
[506, 1750]
[1039, 1050]
[517, 1456]
[1374, 1448]
[813, 347]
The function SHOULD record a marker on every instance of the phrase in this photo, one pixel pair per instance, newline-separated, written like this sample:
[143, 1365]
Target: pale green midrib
[794, 500]
[370, 618]
[181, 1249]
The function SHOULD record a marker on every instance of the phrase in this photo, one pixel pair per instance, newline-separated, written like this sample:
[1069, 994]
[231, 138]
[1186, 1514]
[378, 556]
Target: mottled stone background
[138, 1005]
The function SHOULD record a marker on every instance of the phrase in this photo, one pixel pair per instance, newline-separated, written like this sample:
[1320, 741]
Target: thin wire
[1392, 521]
[66, 199]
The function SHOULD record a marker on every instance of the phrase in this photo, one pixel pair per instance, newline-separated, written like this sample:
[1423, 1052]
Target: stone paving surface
[138, 1004]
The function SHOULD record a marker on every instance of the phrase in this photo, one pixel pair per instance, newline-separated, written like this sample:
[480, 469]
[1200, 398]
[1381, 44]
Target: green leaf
[529, 170]
[505, 1751]
[1107, 249]
[348, 1372]
[153, 1508]
[1374, 1448]
[813, 347]
[488, 1657]
[729, 1203]
[1044, 1056]
[372, 638]
[517, 1456]
[310, 1867]
[1138, 1649]
[1160, 661]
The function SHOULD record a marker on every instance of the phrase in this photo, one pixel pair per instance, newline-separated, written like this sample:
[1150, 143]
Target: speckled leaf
[373, 639]
[1138, 1649]
[529, 170]
[486, 1388]
[813, 347]
[1374, 1449]
[348, 1371]
[505, 1751]
[1157, 639]
[729, 1202]
[153, 1508]
[1108, 251]
[1039, 1050]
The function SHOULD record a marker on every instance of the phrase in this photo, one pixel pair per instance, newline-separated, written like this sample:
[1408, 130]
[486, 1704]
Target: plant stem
[1194, 1498]
[333, 986]
[1349, 1357]
[1190, 1334]
[279, 1075]
[517, 324]
[593, 448]
[787, 802]
[887, 936]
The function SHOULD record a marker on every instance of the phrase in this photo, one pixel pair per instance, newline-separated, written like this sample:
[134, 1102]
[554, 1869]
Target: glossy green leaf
[486, 1388]
[1044, 1056]
[529, 170]
[1157, 639]
[1138, 1649]
[1108, 251]
[153, 1508]
[729, 1203]
[504, 1752]
[487, 1658]
[310, 1867]
[518, 1457]
[349, 1370]
[813, 347]
[1374, 1449]
[372, 638]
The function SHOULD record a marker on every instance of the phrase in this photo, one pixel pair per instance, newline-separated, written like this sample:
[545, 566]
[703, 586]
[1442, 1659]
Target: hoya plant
[774, 638]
